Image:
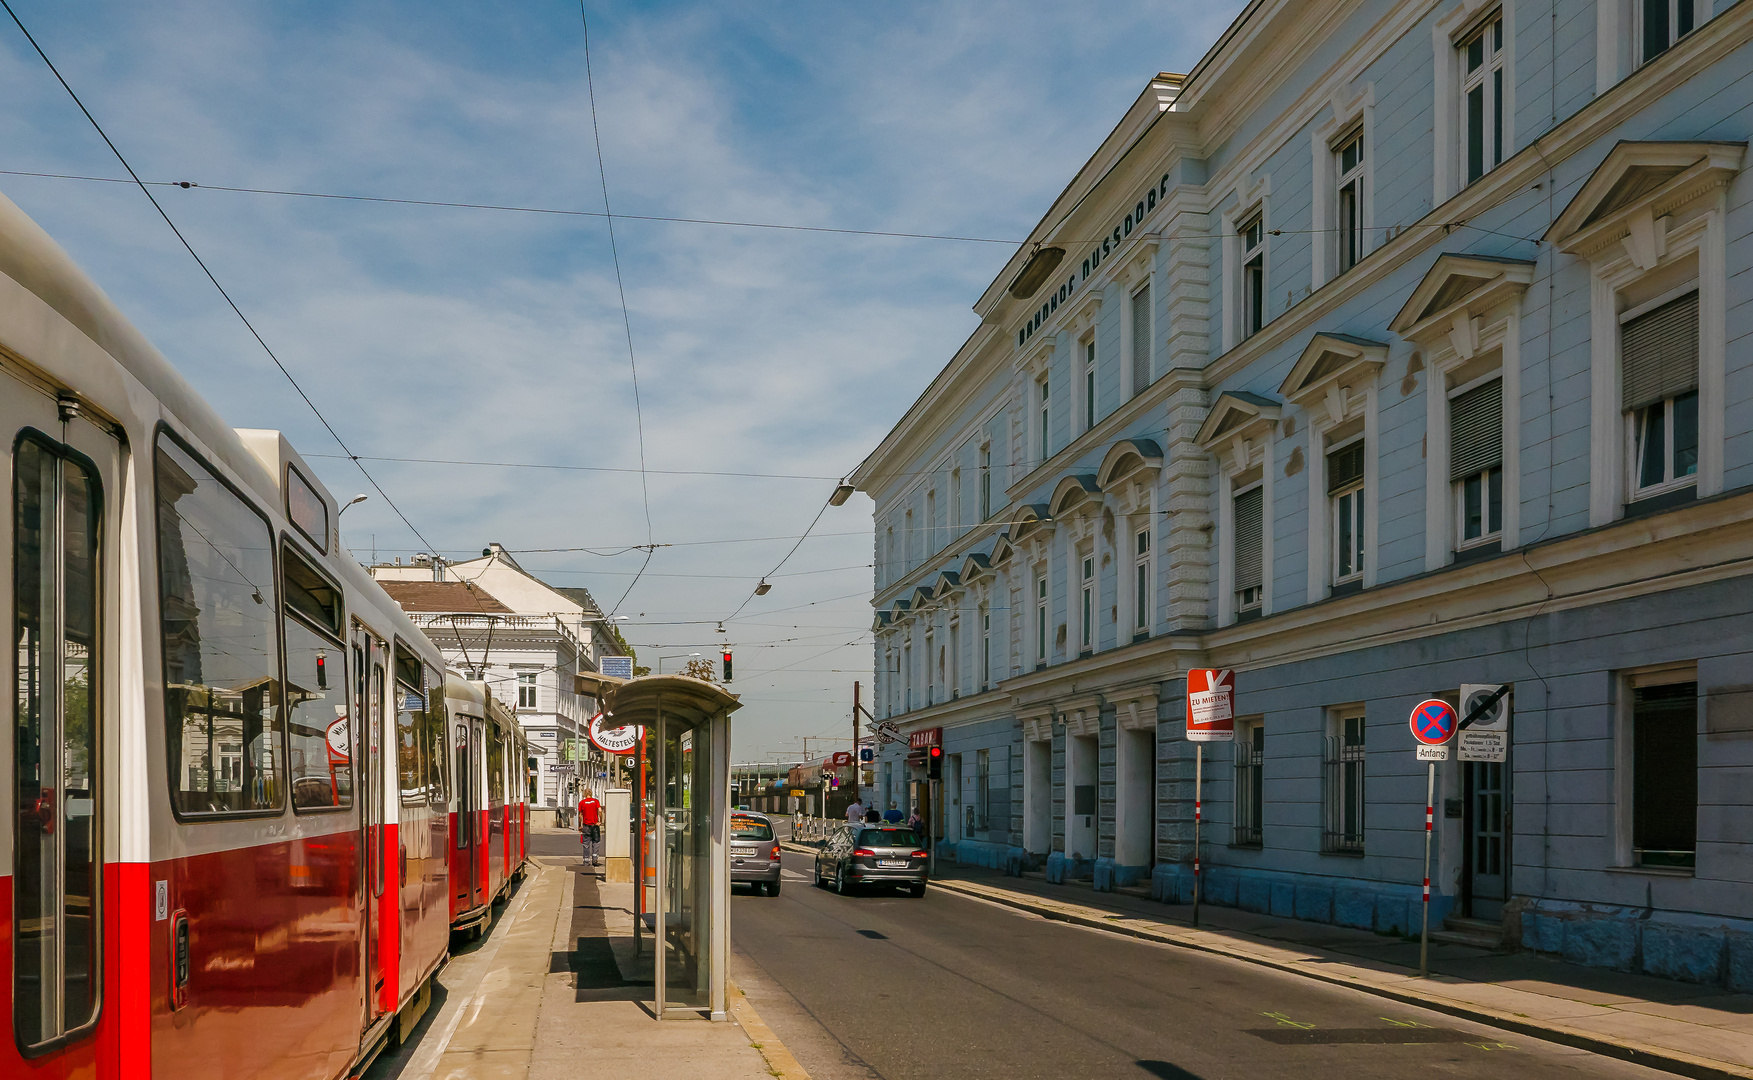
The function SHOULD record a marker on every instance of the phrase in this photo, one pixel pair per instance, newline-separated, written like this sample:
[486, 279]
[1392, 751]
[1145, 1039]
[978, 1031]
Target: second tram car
[231, 803]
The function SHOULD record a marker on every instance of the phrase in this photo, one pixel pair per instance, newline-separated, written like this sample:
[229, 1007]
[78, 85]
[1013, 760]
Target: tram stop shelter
[682, 766]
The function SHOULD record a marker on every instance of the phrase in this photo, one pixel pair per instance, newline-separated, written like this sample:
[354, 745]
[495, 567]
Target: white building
[526, 639]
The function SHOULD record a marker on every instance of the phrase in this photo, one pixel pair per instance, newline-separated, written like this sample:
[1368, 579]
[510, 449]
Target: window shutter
[1249, 522]
[1141, 339]
[1344, 468]
[1659, 351]
[1476, 430]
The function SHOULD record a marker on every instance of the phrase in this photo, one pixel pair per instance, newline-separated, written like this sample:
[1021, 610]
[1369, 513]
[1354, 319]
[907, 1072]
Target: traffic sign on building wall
[1211, 705]
[1487, 738]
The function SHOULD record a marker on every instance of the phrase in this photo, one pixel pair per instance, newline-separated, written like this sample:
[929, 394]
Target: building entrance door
[1487, 825]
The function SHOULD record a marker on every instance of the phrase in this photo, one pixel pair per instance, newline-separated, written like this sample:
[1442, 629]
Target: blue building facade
[1396, 348]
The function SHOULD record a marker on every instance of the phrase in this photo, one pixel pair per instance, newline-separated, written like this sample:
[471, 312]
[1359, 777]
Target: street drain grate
[875, 935]
[1394, 1036]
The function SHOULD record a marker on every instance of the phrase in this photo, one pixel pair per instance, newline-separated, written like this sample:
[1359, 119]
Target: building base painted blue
[1061, 869]
[1670, 945]
[1004, 858]
[1110, 875]
[1378, 906]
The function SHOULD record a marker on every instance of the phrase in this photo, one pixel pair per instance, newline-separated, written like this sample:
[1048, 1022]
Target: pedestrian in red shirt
[590, 813]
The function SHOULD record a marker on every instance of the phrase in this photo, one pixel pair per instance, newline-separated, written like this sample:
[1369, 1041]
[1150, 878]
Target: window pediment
[1031, 521]
[1075, 493]
[1002, 550]
[1332, 362]
[975, 567]
[1637, 183]
[1127, 459]
[1459, 287]
[1237, 414]
[948, 583]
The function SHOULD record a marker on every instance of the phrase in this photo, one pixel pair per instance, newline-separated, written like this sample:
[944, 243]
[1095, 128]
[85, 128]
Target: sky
[473, 335]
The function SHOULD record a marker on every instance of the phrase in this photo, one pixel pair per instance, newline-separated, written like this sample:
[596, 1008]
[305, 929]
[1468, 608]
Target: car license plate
[891, 862]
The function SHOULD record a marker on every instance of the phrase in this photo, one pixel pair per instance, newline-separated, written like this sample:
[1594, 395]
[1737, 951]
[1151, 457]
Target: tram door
[63, 475]
[368, 665]
[467, 795]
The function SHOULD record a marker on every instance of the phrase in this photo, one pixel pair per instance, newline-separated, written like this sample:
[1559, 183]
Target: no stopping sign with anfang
[1433, 725]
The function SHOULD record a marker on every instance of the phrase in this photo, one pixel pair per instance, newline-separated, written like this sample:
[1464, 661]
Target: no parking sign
[1433, 723]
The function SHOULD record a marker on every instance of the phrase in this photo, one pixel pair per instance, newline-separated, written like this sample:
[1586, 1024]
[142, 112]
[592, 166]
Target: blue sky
[468, 334]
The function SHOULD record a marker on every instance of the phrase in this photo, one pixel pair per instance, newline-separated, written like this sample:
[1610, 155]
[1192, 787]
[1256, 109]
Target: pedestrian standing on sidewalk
[590, 827]
[892, 815]
[917, 824]
[855, 812]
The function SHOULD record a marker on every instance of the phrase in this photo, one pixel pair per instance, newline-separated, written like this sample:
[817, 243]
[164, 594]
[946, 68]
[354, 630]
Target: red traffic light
[727, 665]
[937, 751]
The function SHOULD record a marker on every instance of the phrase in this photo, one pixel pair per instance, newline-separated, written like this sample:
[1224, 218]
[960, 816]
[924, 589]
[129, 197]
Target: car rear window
[887, 838]
[749, 828]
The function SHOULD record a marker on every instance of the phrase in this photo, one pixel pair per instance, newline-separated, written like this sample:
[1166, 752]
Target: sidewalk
[1697, 1031]
[555, 991]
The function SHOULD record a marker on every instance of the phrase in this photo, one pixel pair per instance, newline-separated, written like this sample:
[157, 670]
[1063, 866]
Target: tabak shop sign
[1098, 252]
[610, 739]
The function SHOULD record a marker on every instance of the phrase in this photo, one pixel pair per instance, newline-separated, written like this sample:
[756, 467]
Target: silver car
[754, 851]
[877, 854]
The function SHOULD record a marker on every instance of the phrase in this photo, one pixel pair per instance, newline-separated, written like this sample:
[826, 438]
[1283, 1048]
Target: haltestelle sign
[613, 740]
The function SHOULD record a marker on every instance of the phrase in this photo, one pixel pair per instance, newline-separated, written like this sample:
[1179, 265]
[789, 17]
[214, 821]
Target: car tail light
[863, 851]
[922, 855]
[774, 856]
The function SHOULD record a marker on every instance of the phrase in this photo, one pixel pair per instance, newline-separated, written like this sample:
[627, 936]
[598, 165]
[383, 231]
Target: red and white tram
[238, 786]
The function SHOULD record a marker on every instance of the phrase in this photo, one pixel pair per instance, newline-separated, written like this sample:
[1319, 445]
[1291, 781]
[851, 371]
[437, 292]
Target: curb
[1624, 1049]
[780, 1061]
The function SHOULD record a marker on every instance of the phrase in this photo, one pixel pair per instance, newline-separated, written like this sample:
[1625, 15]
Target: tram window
[410, 727]
[435, 725]
[57, 505]
[496, 768]
[320, 745]
[307, 592]
[221, 669]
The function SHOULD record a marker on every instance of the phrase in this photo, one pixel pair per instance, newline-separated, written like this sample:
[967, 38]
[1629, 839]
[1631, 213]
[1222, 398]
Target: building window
[1087, 621]
[1659, 354]
[1346, 496]
[1476, 462]
[1040, 618]
[1142, 606]
[909, 538]
[985, 647]
[1348, 158]
[1664, 775]
[930, 522]
[1250, 749]
[1345, 784]
[1249, 511]
[1253, 234]
[985, 482]
[526, 689]
[1089, 384]
[1141, 339]
[1662, 23]
[1482, 97]
[1043, 390]
[907, 677]
[955, 499]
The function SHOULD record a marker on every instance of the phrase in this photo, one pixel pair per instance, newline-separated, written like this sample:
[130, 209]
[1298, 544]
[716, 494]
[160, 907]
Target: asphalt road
[884, 986]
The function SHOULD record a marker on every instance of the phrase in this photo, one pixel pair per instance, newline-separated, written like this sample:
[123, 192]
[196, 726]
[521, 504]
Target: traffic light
[727, 665]
[934, 763]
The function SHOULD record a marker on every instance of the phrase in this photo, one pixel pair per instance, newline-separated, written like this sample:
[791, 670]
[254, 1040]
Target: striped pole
[1424, 930]
[1198, 815]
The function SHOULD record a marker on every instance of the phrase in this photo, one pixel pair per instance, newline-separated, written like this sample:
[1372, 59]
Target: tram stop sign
[1433, 723]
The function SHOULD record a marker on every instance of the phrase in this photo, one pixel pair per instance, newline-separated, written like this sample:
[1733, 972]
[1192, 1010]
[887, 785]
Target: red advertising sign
[1211, 705]
[920, 740]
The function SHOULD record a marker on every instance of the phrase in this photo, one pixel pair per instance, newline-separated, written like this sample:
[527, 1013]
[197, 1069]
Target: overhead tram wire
[724, 222]
[135, 179]
[626, 319]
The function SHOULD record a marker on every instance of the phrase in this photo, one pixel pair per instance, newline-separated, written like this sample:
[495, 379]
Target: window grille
[1345, 788]
[1250, 753]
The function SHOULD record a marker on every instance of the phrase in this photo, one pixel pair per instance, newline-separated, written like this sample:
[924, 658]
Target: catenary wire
[135, 179]
[621, 289]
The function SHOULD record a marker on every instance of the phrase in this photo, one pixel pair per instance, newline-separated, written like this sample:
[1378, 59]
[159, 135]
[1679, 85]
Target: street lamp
[675, 656]
[351, 503]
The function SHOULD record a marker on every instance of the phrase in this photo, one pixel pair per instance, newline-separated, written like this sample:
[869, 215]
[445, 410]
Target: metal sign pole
[1198, 814]
[1424, 929]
